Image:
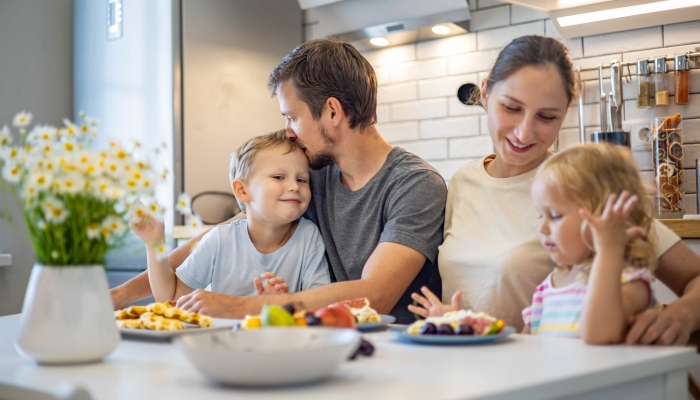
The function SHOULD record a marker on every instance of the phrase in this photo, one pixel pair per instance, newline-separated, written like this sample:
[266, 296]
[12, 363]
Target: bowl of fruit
[282, 356]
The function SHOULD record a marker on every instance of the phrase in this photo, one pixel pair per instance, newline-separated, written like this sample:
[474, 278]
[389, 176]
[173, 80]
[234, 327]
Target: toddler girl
[594, 216]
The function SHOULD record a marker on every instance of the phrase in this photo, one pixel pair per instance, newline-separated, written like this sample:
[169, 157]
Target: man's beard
[324, 158]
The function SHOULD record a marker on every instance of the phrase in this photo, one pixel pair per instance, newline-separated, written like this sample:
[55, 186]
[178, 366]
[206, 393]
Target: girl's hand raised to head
[148, 229]
[609, 231]
[431, 305]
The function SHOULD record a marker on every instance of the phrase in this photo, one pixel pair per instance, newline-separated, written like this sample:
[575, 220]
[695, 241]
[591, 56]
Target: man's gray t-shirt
[227, 259]
[403, 203]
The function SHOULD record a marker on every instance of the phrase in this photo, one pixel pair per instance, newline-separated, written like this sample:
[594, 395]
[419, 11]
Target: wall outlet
[640, 137]
[5, 260]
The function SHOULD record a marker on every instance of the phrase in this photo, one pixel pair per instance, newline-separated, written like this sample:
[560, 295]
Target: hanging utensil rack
[695, 56]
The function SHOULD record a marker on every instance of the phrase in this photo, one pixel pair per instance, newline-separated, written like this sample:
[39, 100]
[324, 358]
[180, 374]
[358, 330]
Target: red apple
[336, 316]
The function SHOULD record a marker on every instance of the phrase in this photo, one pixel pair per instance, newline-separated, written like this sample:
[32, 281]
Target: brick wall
[419, 110]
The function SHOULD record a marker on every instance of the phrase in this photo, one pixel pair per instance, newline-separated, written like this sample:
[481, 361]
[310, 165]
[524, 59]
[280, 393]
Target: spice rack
[694, 56]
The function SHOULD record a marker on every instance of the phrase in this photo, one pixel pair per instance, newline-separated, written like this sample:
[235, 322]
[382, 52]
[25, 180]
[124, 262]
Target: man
[380, 209]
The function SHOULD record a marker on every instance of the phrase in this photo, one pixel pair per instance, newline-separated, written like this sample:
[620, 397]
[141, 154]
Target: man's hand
[431, 305]
[657, 326]
[273, 285]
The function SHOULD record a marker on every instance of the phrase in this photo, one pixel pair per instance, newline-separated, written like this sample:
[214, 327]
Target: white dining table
[518, 367]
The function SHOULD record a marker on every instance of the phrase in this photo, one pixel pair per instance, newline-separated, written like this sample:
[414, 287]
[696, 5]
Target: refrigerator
[188, 75]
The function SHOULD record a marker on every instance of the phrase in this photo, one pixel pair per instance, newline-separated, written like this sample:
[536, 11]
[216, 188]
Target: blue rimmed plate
[400, 332]
[386, 320]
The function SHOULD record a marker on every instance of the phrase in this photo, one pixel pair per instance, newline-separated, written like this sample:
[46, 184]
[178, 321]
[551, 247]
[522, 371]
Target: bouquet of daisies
[76, 199]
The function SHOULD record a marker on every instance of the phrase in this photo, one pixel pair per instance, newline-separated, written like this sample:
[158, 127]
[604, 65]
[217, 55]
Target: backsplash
[419, 110]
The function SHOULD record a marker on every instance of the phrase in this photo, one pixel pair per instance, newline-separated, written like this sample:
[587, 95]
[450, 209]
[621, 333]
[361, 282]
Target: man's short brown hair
[324, 68]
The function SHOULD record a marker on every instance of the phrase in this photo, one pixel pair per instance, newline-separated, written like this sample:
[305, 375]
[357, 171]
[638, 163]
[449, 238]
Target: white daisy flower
[41, 225]
[164, 174]
[93, 231]
[29, 191]
[194, 224]
[72, 183]
[156, 210]
[70, 130]
[41, 134]
[81, 114]
[11, 172]
[54, 210]
[69, 146]
[22, 119]
[115, 224]
[101, 188]
[41, 179]
[184, 204]
[161, 251]
[106, 233]
[5, 136]
[115, 193]
[138, 210]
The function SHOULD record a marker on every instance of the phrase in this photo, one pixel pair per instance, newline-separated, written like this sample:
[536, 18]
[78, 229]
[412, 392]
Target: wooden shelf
[685, 228]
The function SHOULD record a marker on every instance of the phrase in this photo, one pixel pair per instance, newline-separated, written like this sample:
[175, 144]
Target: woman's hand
[609, 230]
[432, 305]
[274, 284]
[148, 229]
[657, 326]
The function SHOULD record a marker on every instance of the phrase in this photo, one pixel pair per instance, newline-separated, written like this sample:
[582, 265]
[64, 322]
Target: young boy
[269, 176]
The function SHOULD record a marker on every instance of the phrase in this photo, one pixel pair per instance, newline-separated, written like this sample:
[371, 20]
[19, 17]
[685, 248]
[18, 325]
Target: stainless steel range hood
[400, 21]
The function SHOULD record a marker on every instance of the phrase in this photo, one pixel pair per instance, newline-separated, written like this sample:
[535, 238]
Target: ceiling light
[378, 41]
[441, 29]
[621, 12]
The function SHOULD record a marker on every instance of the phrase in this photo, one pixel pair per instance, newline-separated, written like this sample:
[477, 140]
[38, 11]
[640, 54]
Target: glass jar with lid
[660, 85]
[667, 159]
[681, 79]
[643, 84]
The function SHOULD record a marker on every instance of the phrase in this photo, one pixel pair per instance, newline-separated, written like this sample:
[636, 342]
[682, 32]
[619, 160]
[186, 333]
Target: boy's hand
[608, 230]
[274, 284]
[432, 305]
[148, 229]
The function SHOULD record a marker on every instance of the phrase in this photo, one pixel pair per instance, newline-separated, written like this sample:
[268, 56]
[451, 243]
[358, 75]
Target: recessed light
[378, 41]
[629, 11]
[441, 29]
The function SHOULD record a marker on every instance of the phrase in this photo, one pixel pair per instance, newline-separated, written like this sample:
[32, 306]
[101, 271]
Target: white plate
[450, 339]
[386, 320]
[273, 356]
[220, 324]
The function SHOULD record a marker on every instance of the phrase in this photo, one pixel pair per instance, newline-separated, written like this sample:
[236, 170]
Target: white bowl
[271, 356]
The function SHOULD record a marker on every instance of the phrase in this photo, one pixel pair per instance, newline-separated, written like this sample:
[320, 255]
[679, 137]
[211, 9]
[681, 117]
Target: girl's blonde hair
[588, 175]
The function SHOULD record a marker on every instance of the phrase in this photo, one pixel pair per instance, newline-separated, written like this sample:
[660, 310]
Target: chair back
[215, 207]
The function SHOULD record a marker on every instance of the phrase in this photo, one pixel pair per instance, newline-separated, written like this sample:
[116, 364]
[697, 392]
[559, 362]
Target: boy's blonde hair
[588, 175]
[243, 159]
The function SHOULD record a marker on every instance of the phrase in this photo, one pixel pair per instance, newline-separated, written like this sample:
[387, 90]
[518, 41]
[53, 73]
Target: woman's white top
[491, 251]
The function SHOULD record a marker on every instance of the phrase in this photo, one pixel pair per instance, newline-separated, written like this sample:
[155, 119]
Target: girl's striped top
[556, 311]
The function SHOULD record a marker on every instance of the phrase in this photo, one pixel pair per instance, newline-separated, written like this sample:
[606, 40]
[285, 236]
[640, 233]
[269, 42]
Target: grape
[428, 329]
[445, 329]
[464, 329]
[289, 307]
[312, 320]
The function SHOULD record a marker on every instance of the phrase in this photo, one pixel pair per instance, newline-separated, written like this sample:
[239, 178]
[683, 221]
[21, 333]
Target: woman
[491, 250]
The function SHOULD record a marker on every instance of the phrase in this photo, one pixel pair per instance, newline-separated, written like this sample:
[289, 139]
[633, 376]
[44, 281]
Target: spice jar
[681, 81]
[667, 155]
[660, 87]
[643, 84]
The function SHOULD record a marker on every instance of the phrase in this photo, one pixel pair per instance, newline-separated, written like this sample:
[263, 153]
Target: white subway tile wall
[419, 110]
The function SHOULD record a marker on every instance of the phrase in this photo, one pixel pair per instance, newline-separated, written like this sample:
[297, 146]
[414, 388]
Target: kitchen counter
[685, 228]
[521, 366]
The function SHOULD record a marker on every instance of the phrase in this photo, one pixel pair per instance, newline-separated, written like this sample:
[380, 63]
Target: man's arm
[387, 274]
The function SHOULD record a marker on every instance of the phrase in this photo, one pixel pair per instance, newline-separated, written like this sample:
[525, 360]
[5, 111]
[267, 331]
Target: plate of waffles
[163, 321]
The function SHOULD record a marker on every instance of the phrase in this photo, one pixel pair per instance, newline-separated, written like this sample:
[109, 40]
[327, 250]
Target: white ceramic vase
[67, 316]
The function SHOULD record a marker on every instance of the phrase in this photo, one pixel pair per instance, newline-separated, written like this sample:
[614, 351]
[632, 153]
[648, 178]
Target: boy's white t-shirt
[491, 251]
[227, 259]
